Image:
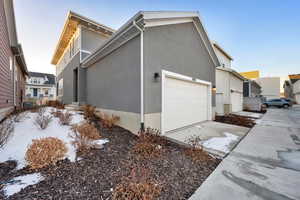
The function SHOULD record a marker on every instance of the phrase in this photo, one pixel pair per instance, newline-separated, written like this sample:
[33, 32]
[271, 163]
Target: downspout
[142, 75]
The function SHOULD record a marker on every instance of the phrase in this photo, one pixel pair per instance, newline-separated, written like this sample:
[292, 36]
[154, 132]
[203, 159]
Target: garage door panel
[236, 102]
[185, 103]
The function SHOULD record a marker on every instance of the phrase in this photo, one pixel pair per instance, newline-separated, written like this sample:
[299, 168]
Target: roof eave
[18, 52]
[222, 50]
[153, 15]
[71, 14]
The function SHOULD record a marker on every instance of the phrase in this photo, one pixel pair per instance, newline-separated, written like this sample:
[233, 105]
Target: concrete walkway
[264, 166]
[216, 138]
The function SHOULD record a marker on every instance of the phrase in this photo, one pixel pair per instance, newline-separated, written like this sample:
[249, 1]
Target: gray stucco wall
[114, 81]
[91, 40]
[67, 75]
[176, 48]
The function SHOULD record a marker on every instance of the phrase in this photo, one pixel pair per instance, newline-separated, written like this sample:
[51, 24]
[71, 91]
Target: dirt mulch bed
[263, 111]
[236, 120]
[99, 172]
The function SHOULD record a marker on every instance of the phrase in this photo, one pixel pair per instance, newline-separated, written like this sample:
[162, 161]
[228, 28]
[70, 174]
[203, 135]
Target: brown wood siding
[6, 82]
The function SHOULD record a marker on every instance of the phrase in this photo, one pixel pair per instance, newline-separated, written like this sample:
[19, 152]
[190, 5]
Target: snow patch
[25, 131]
[220, 143]
[20, 182]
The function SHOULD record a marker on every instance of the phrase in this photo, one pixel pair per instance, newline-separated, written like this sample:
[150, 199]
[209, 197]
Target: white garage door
[184, 103]
[236, 101]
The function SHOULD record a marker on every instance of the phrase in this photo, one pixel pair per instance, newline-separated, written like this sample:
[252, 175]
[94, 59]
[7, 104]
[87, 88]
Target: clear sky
[259, 34]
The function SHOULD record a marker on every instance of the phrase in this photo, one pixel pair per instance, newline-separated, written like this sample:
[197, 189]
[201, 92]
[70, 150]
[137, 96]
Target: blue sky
[258, 34]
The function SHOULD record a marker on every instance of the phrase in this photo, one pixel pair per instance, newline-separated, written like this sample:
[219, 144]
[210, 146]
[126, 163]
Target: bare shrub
[138, 186]
[6, 128]
[195, 152]
[89, 112]
[236, 120]
[44, 152]
[55, 104]
[194, 141]
[149, 144]
[84, 136]
[42, 120]
[56, 113]
[17, 115]
[109, 121]
[65, 118]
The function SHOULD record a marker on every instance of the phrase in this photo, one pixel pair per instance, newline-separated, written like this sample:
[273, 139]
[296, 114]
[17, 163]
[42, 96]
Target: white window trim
[165, 74]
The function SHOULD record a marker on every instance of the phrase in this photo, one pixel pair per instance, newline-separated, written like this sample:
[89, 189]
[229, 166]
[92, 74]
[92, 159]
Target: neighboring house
[157, 70]
[13, 68]
[296, 91]
[289, 84]
[252, 96]
[80, 37]
[40, 86]
[229, 84]
[224, 58]
[288, 89]
[270, 87]
[229, 93]
[251, 89]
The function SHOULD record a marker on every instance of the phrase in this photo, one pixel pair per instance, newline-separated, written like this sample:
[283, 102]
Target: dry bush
[56, 113]
[138, 186]
[45, 151]
[197, 155]
[195, 152]
[35, 109]
[149, 144]
[55, 104]
[109, 121]
[42, 120]
[89, 112]
[6, 128]
[236, 120]
[17, 115]
[194, 141]
[65, 118]
[84, 136]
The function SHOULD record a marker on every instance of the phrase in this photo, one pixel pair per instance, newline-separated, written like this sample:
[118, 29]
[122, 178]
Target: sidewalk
[265, 165]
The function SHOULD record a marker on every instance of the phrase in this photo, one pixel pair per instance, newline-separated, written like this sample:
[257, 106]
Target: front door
[35, 92]
[75, 85]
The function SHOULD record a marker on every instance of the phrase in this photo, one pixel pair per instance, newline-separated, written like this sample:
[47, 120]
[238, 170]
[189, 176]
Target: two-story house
[156, 70]
[13, 68]
[229, 84]
[40, 86]
[79, 38]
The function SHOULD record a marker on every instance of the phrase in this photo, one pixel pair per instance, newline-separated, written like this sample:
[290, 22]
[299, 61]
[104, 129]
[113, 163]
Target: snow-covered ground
[222, 144]
[25, 131]
[20, 182]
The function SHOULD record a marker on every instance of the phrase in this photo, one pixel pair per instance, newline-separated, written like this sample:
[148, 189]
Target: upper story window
[71, 50]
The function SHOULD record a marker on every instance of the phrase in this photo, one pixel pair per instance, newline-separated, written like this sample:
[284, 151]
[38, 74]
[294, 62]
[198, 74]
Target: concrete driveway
[216, 138]
[264, 165]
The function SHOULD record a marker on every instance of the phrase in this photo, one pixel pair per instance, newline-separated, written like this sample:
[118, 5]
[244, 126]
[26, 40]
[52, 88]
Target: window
[46, 92]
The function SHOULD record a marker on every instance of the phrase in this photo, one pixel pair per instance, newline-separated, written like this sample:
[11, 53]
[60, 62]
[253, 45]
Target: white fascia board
[161, 22]
[183, 77]
[167, 14]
